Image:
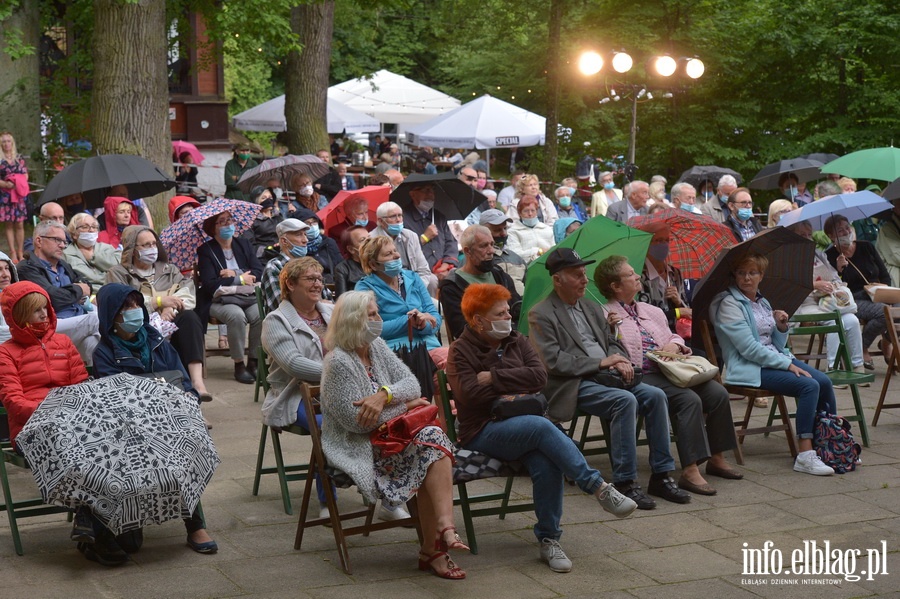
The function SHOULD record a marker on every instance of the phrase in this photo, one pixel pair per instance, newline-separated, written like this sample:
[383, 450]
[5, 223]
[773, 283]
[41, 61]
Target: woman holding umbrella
[364, 385]
[130, 344]
[228, 261]
[753, 336]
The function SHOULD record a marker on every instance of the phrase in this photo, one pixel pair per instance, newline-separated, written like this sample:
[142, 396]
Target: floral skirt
[399, 476]
[12, 213]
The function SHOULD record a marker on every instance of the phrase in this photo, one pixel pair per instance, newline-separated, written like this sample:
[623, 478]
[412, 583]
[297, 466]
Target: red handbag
[393, 436]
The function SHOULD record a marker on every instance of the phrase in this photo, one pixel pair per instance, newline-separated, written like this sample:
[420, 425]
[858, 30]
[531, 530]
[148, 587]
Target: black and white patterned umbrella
[135, 450]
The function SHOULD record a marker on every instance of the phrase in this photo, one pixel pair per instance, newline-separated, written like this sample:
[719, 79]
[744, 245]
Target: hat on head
[493, 217]
[561, 258]
[289, 225]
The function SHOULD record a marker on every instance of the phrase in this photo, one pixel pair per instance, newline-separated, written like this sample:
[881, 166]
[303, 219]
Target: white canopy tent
[269, 116]
[392, 98]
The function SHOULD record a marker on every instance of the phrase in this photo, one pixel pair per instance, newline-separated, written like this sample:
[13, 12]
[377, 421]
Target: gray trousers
[237, 319]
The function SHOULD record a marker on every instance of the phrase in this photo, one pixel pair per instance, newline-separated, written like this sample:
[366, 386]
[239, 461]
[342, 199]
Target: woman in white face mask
[364, 385]
[87, 256]
[169, 297]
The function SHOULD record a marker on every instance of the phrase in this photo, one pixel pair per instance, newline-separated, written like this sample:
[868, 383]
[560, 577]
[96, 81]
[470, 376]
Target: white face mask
[500, 329]
[149, 256]
[426, 205]
[87, 240]
[306, 190]
[373, 330]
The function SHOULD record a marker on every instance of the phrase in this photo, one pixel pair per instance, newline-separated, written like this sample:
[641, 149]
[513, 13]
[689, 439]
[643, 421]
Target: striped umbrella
[694, 239]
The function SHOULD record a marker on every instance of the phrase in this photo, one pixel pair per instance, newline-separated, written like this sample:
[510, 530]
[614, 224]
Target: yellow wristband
[390, 394]
[677, 312]
[159, 301]
[425, 239]
[241, 279]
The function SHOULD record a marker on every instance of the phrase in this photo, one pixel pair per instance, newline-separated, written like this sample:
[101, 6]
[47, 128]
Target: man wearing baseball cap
[512, 263]
[575, 342]
[292, 239]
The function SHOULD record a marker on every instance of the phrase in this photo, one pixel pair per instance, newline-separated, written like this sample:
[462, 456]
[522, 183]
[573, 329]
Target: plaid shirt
[271, 288]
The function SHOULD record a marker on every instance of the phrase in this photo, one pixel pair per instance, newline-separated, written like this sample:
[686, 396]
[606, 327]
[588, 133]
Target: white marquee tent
[269, 116]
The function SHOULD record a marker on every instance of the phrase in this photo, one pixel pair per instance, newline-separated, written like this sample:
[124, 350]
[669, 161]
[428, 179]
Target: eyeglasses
[470, 178]
[393, 218]
[88, 228]
[313, 280]
[747, 274]
[744, 204]
[59, 241]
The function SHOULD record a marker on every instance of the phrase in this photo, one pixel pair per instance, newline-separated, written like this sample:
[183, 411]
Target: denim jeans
[620, 408]
[548, 454]
[816, 393]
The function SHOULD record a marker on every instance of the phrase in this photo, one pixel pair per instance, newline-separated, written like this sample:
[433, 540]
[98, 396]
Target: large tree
[20, 111]
[130, 101]
[306, 85]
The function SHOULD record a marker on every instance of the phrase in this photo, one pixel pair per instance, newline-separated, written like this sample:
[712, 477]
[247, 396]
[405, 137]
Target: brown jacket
[516, 369]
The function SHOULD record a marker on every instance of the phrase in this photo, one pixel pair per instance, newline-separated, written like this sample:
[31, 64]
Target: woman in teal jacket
[753, 336]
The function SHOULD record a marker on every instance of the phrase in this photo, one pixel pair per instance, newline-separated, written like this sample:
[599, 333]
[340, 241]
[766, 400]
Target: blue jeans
[303, 422]
[620, 408]
[813, 394]
[548, 454]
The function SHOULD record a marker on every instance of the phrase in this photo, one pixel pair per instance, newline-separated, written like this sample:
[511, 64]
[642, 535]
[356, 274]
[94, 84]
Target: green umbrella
[876, 163]
[596, 239]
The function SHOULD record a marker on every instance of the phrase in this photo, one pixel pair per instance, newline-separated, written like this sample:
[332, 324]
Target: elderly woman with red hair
[490, 360]
[529, 237]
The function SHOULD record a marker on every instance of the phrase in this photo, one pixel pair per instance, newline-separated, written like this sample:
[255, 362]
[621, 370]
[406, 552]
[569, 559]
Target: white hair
[559, 189]
[727, 180]
[347, 328]
[383, 209]
[467, 238]
[678, 188]
[630, 187]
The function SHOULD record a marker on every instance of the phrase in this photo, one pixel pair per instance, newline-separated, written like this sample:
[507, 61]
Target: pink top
[653, 320]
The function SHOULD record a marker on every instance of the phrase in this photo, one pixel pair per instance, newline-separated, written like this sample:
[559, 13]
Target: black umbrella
[822, 157]
[803, 168]
[452, 198]
[786, 283]
[892, 191]
[418, 360]
[93, 177]
[698, 174]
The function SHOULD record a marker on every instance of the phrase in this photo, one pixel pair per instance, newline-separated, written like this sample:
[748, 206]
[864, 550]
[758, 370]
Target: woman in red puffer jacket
[36, 359]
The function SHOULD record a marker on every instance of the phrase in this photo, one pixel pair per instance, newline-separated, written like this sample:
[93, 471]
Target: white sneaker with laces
[555, 557]
[615, 503]
[809, 462]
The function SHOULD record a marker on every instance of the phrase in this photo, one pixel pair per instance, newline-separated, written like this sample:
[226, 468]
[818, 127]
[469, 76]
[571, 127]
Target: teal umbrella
[875, 163]
[596, 239]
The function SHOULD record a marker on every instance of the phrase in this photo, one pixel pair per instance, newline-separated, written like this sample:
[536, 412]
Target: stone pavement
[674, 551]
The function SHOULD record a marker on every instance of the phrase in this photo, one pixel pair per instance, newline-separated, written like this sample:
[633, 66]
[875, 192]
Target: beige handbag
[683, 371]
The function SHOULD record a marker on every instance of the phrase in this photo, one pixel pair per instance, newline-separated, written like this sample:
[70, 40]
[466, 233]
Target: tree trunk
[551, 147]
[20, 103]
[130, 97]
[306, 78]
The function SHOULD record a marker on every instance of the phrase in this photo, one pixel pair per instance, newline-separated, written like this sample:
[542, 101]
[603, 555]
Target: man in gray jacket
[574, 340]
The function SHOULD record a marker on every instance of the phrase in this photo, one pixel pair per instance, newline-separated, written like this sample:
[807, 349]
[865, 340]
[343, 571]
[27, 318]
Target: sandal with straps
[442, 545]
[454, 572]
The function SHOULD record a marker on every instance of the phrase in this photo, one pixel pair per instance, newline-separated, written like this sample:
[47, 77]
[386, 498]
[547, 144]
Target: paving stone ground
[690, 551]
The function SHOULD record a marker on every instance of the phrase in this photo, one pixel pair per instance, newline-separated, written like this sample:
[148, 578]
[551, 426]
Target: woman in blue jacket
[128, 343]
[401, 296]
[753, 336]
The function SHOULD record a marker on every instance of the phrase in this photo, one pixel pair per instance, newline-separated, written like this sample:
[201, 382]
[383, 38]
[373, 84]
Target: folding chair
[286, 472]
[841, 372]
[335, 519]
[262, 363]
[751, 393]
[464, 500]
[23, 508]
[892, 317]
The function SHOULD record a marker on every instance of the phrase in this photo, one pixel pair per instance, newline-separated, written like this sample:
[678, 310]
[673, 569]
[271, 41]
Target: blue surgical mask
[132, 320]
[790, 192]
[362, 222]
[392, 268]
[530, 222]
[745, 214]
[565, 201]
[723, 199]
[394, 229]
[609, 185]
[686, 206]
[573, 191]
[313, 232]
[708, 195]
[226, 232]
[298, 251]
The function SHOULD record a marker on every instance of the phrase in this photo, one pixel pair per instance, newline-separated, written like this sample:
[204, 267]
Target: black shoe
[633, 491]
[242, 375]
[131, 541]
[83, 526]
[251, 367]
[105, 552]
[667, 488]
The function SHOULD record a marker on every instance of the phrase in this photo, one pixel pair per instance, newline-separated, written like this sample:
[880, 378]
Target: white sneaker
[615, 503]
[810, 463]
[389, 515]
[323, 512]
[555, 557]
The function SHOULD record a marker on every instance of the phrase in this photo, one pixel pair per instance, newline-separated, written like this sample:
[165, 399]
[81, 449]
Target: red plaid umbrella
[694, 239]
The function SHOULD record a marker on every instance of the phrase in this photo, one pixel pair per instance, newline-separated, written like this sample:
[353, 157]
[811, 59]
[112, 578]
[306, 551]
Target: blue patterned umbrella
[134, 450]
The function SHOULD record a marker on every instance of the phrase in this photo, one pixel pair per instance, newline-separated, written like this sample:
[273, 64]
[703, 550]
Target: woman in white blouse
[528, 237]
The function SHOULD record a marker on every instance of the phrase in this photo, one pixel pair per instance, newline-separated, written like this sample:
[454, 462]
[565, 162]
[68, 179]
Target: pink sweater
[653, 319]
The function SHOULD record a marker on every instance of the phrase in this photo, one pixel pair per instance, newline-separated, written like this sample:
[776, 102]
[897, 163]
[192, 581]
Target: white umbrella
[269, 116]
[483, 123]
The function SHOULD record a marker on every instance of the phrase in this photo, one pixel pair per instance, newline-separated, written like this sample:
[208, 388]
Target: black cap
[561, 258]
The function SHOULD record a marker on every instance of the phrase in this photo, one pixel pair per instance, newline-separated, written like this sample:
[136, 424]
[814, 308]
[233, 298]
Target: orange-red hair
[481, 297]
